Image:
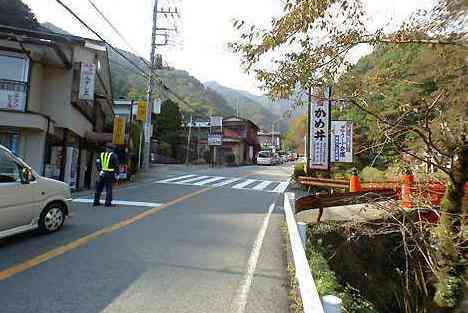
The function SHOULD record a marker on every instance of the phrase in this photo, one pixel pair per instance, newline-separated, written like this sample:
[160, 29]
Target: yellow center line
[35, 261]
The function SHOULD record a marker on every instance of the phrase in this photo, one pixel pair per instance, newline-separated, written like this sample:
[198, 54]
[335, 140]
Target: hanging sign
[141, 114]
[148, 129]
[87, 77]
[118, 137]
[319, 135]
[341, 149]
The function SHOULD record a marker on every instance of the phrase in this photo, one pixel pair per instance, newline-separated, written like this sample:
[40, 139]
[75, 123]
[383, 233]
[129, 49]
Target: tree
[168, 125]
[423, 117]
[17, 14]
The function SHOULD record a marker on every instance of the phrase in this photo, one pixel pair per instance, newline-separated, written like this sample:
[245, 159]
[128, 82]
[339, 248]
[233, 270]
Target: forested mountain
[197, 99]
[17, 14]
[407, 75]
[250, 106]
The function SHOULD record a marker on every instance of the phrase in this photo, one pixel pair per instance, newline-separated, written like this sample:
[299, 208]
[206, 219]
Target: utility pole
[309, 116]
[150, 96]
[188, 140]
[152, 78]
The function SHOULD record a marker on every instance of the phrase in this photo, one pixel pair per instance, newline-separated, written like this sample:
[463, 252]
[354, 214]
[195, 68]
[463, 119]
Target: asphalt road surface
[185, 239]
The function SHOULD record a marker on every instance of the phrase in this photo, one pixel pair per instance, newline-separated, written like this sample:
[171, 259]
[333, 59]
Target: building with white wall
[55, 96]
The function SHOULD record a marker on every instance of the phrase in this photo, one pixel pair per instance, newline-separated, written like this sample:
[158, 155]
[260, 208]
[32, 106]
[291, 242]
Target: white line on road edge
[120, 202]
[240, 301]
[310, 297]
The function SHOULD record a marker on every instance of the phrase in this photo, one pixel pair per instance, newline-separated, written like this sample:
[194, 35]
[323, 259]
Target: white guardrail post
[309, 295]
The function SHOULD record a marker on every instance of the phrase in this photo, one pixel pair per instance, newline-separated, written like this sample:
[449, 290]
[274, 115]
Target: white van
[29, 201]
[265, 158]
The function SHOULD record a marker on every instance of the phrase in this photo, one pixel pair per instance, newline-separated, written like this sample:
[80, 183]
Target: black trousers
[104, 182]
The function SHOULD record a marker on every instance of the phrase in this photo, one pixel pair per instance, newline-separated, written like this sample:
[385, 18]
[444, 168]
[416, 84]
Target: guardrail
[310, 297]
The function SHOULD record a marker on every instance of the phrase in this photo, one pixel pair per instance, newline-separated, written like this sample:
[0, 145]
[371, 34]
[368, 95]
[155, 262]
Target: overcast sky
[205, 28]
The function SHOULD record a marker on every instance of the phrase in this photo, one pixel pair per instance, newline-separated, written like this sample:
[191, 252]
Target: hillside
[249, 107]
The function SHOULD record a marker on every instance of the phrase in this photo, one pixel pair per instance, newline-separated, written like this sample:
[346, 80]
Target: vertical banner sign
[157, 106]
[141, 114]
[342, 142]
[319, 135]
[118, 137]
[148, 132]
[87, 77]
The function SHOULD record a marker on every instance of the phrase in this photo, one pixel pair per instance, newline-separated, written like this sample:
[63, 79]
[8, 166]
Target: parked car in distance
[265, 158]
[29, 201]
[277, 159]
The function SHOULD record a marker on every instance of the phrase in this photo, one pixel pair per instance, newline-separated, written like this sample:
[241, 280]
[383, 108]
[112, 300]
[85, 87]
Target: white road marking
[240, 183]
[281, 187]
[191, 180]
[244, 184]
[240, 301]
[121, 202]
[207, 181]
[262, 185]
[227, 182]
[175, 178]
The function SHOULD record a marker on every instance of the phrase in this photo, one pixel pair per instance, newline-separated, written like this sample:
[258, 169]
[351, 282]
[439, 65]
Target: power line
[129, 45]
[141, 71]
[98, 35]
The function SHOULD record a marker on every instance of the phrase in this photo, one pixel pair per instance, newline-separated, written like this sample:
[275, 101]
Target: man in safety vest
[108, 168]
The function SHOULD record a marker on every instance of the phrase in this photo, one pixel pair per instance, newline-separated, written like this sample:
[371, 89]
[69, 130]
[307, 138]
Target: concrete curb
[309, 295]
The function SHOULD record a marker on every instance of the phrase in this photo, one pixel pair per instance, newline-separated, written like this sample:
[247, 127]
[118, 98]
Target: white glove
[101, 173]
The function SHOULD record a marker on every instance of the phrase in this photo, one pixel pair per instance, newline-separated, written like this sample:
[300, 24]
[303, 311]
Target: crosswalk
[238, 183]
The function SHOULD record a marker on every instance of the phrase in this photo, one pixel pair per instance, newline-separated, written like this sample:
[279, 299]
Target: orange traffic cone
[355, 183]
[407, 182]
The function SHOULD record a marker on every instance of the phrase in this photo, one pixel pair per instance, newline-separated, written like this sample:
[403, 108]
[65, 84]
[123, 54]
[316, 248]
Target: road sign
[216, 121]
[319, 135]
[341, 149]
[215, 139]
[141, 114]
[118, 137]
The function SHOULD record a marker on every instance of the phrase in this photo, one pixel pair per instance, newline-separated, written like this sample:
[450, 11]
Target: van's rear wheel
[52, 218]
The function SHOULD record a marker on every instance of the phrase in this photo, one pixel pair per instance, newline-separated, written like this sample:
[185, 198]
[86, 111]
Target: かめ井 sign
[319, 153]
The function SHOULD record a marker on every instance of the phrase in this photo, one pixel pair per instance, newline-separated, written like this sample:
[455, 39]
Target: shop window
[11, 141]
[9, 169]
[14, 69]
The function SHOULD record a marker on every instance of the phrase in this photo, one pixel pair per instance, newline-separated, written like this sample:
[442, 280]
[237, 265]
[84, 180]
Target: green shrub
[165, 149]
[326, 280]
[372, 174]
[299, 170]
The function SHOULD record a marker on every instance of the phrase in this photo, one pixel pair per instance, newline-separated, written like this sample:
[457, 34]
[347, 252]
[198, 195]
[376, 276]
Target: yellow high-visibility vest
[105, 160]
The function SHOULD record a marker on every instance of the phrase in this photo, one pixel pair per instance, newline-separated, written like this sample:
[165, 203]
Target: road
[196, 240]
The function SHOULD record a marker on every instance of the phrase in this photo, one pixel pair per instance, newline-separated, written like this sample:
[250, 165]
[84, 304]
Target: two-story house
[55, 100]
[240, 144]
